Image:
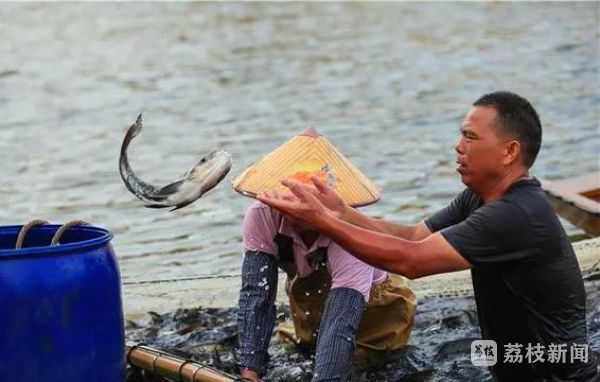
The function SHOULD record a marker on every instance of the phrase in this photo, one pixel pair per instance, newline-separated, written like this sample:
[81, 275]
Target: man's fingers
[305, 193]
[291, 185]
[275, 196]
[288, 182]
[279, 204]
[322, 187]
[289, 196]
[310, 197]
[298, 189]
[313, 191]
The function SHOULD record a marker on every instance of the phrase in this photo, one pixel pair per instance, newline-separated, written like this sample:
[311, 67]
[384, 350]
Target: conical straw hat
[304, 155]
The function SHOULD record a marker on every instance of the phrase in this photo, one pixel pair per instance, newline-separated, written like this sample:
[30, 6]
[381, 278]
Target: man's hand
[328, 198]
[250, 375]
[301, 205]
[281, 195]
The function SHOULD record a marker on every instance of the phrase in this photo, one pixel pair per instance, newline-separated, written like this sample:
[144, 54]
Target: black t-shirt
[527, 282]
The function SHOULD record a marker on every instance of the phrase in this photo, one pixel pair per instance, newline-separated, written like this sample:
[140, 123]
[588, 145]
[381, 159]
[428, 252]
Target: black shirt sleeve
[496, 232]
[452, 214]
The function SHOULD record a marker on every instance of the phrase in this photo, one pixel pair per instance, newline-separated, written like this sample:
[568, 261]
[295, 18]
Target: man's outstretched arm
[351, 215]
[405, 231]
[409, 258]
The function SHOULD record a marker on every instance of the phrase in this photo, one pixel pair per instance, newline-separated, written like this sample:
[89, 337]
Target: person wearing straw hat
[341, 306]
[527, 283]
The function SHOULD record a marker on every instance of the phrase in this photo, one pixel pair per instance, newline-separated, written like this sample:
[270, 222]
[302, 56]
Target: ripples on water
[388, 83]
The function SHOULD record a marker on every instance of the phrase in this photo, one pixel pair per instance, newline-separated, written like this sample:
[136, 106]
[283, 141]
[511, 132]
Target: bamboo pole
[174, 368]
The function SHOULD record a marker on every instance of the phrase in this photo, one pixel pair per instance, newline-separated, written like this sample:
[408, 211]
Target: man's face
[480, 152]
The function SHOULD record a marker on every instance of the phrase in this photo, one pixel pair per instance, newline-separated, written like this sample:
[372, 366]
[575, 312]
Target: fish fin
[182, 205]
[155, 206]
[170, 188]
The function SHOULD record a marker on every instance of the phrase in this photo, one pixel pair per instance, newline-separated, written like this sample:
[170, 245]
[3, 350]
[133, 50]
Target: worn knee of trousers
[256, 317]
[337, 334]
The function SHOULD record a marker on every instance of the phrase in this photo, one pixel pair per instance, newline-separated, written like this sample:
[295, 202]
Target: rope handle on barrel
[25, 229]
[57, 236]
[37, 222]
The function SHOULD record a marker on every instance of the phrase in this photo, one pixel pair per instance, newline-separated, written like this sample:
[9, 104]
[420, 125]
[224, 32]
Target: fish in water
[205, 175]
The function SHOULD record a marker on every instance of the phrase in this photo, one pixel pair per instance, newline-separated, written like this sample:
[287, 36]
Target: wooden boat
[577, 200]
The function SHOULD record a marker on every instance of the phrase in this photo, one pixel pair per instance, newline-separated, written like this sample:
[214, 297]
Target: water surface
[387, 83]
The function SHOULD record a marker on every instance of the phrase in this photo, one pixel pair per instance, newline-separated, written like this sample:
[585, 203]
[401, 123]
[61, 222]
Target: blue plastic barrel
[61, 317]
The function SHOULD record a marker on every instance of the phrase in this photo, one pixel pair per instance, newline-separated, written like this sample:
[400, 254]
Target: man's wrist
[347, 214]
[329, 222]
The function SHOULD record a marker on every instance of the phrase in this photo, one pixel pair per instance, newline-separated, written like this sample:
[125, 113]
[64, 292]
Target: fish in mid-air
[205, 175]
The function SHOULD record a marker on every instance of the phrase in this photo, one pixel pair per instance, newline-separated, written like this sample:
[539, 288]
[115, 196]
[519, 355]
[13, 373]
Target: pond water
[387, 83]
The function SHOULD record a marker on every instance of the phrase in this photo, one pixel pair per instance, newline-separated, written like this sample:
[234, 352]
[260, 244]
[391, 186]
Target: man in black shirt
[527, 282]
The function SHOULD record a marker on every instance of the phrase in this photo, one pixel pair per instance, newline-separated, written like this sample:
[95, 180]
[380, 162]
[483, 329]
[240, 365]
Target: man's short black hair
[516, 119]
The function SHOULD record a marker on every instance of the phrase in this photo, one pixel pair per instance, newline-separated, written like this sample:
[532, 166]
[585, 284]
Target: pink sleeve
[260, 227]
[348, 271]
